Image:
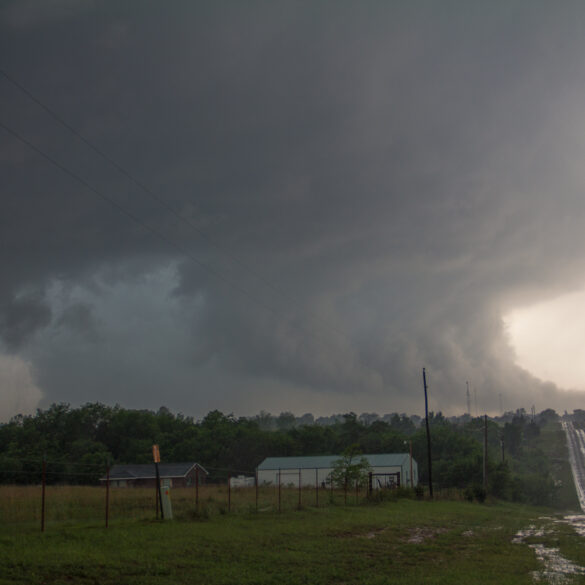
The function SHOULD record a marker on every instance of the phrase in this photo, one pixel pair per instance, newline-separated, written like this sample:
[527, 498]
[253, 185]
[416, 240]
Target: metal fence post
[316, 487]
[300, 488]
[44, 483]
[159, 492]
[197, 489]
[108, 494]
[331, 486]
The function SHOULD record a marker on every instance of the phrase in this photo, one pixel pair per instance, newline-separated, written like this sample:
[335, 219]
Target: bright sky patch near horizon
[549, 339]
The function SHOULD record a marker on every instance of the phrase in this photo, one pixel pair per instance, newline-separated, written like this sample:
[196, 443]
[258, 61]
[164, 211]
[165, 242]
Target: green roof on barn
[328, 461]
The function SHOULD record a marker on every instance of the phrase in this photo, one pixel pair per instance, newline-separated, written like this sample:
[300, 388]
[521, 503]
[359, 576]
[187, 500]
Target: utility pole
[428, 436]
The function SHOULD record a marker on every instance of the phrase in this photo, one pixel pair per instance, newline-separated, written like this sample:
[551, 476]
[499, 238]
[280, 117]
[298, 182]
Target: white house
[388, 470]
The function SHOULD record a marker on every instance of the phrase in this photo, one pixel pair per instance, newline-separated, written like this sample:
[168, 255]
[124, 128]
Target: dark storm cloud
[377, 184]
[21, 317]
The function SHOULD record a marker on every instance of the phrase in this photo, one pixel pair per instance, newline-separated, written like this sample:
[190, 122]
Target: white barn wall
[290, 476]
[310, 476]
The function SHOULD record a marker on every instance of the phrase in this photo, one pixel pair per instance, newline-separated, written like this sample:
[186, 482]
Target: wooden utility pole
[428, 436]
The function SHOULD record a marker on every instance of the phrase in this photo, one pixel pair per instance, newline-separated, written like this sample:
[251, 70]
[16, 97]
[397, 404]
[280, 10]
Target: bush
[475, 492]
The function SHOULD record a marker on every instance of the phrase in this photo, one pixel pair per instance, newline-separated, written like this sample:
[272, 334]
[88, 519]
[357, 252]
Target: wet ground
[556, 569]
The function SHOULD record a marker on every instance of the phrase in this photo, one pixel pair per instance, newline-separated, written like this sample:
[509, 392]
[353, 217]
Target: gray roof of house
[328, 461]
[148, 470]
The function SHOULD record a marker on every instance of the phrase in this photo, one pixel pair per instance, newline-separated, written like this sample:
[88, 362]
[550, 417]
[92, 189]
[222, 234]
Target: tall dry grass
[84, 503]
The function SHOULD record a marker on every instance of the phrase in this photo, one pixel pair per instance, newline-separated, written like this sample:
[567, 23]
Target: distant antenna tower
[501, 404]
[533, 410]
[475, 399]
[468, 400]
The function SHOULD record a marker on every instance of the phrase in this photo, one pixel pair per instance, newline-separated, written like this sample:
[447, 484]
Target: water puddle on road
[557, 570]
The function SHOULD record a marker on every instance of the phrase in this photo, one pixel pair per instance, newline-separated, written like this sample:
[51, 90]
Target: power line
[160, 200]
[145, 225]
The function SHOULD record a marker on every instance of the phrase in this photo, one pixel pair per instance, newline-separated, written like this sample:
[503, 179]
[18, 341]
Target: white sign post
[166, 499]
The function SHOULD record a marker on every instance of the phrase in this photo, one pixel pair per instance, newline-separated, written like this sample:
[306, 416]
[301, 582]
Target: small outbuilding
[241, 481]
[387, 470]
[144, 474]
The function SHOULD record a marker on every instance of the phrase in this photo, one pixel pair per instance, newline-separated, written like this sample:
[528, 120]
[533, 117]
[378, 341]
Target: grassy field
[22, 504]
[406, 541]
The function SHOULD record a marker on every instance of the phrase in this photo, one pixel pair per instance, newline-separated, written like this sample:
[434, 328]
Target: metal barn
[388, 470]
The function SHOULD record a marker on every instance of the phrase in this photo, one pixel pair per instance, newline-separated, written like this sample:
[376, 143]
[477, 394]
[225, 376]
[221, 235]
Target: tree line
[79, 443]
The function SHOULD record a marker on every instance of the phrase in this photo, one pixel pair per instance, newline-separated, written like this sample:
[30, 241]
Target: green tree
[285, 421]
[352, 468]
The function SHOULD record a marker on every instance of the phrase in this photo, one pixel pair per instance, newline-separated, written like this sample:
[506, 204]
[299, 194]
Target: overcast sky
[290, 205]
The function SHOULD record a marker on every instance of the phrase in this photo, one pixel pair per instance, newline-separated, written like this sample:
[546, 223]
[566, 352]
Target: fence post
[158, 493]
[300, 488]
[107, 494]
[197, 489]
[279, 492]
[331, 487]
[316, 487]
[256, 482]
[156, 499]
[229, 492]
[44, 483]
[357, 491]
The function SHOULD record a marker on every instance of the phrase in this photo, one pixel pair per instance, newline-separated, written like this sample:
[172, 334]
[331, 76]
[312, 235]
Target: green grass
[553, 442]
[20, 504]
[406, 542]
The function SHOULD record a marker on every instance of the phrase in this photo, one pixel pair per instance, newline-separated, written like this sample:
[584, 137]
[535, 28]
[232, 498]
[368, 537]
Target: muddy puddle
[556, 569]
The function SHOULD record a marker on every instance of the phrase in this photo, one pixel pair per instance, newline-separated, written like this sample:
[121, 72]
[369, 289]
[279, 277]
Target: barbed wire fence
[51, 491]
